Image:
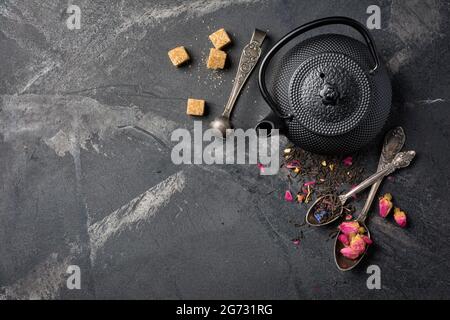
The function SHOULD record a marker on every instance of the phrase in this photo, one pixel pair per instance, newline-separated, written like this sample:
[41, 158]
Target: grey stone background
[86, 176]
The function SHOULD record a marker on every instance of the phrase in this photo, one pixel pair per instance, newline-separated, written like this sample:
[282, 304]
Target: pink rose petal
[347, 161]
[288, 196]
[309, 183]
[349, 253]
[261, 167]
[293, 164]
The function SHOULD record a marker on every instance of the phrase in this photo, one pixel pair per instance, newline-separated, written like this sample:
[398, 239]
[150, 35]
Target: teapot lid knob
[330, 94]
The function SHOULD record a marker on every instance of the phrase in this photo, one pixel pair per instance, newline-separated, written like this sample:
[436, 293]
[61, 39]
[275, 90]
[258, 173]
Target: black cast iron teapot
[330, 94]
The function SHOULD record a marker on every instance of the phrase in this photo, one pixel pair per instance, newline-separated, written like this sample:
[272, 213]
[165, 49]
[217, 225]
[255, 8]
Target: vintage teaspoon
[401, 160]
[249, 59]
[393, 144]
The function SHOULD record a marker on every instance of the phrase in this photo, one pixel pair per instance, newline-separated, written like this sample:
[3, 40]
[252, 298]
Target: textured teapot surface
[325, 83]
[329, 94]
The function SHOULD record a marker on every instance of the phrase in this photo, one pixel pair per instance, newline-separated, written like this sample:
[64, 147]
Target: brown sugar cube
[220, 38]
[216, 59]
[178, 56]
[195, 107]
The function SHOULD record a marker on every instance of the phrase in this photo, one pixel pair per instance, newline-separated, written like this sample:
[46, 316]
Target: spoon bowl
[343, 263]
[221, 124]
[313, 221]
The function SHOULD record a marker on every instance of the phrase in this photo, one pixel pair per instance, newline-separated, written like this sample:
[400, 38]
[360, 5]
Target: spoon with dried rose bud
[349, 250]
[351, 243]
[329, 208]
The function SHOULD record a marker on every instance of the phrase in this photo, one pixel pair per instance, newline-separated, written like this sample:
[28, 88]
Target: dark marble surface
[80, 184]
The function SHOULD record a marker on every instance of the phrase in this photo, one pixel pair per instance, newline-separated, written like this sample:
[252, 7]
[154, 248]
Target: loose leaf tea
[327, 209]
[311, 175]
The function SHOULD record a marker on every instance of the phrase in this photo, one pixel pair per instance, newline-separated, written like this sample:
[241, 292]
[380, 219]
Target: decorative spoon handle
[401, 160]
[393, 144]
[249, 59]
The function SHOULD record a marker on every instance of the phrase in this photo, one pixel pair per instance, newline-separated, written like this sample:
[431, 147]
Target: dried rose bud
[350, 253]
[358, 244]
[349, 227]
[385, 205]
[297, 170]
[400, 217]
[356, 247]
[344, 239]
[367, 239]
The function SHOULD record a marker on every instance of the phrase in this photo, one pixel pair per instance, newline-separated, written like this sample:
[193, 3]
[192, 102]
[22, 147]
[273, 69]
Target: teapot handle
[300, 30]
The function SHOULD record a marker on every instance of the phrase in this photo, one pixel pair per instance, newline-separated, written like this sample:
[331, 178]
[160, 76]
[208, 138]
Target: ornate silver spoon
[249, 59]
[401, 160]
[393, 144]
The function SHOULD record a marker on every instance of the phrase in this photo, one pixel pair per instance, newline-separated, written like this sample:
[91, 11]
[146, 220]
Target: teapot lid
[330, 94]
